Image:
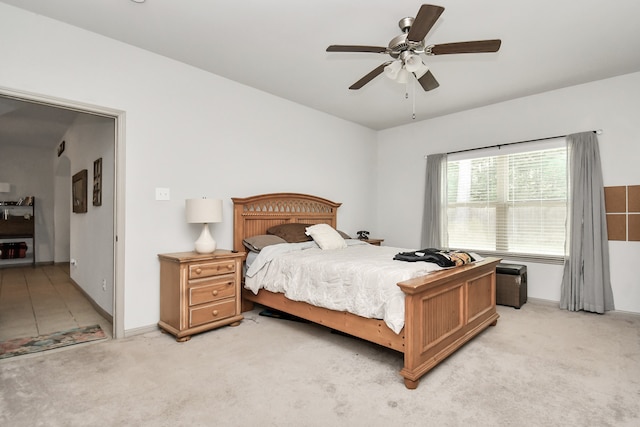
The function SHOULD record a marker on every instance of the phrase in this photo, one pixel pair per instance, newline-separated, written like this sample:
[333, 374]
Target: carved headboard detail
[254, 215]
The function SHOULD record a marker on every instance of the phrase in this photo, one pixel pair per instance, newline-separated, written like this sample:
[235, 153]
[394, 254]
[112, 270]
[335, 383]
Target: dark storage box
[13, 250]
[511, 284]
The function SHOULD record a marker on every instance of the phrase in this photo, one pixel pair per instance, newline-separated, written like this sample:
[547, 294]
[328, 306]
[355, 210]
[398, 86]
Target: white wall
[31, 177]
[62, 208]
[91, 234]
[612, 105]
[193, 132]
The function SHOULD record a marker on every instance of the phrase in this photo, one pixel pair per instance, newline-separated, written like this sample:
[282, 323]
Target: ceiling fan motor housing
[400, 44]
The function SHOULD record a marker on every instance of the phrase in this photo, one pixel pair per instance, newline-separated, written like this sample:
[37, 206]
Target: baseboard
[43, 263]
[20, 263]
[94, 304]
[141, 330]
[544, 301]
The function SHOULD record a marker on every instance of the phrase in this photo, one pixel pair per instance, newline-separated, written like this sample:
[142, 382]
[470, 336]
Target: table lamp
[204, 211]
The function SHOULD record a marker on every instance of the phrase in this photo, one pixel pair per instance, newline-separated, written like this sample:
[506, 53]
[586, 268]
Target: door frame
[119, 187]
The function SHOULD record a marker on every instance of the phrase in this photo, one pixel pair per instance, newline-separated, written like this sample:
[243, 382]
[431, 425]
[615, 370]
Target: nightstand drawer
[206, 269]
[212, 290]
[212, 312]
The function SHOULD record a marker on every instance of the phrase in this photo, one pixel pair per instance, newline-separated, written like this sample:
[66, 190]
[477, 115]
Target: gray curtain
[586, 283]
[434, 216]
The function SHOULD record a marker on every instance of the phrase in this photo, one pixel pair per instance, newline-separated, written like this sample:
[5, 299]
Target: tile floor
[41, 300]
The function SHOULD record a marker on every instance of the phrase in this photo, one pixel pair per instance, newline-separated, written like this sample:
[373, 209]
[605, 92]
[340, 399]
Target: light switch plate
[162, 194]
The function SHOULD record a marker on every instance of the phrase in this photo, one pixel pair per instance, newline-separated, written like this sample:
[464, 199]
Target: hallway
[42, 300]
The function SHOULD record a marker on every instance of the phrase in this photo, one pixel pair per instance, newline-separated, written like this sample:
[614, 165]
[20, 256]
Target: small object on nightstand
[363, 235]
[375, 242]
[199, 292]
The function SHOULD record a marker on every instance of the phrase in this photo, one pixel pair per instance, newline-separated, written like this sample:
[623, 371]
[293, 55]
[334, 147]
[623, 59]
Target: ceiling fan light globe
[421, 70]
[392, 70]
[413, 63]
[403, 76]
[389, 72]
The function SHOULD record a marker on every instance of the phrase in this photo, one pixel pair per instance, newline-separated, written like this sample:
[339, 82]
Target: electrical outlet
[162, 194]
[104, 285]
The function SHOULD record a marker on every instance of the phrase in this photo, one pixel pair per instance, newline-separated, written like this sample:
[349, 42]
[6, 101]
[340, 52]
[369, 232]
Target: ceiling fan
[406, 48]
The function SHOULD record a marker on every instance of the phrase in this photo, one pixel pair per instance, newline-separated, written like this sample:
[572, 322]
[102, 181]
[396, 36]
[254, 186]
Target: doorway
[61, 110]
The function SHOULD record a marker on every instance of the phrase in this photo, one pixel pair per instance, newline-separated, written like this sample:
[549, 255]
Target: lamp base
[205, 243]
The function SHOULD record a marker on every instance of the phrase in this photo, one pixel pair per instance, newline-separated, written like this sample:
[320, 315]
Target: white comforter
[361, 278]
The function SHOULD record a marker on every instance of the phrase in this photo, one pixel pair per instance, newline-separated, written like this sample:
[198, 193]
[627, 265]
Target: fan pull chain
[413, 92]
[406, 96]
[413, 89]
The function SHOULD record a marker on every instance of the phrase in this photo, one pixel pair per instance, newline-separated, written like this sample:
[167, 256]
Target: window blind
[510, 201]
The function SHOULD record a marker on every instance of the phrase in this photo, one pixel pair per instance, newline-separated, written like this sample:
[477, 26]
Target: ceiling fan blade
[372, 75]
[350, 48]
[428, 82]
[425, 20]
[479, 46]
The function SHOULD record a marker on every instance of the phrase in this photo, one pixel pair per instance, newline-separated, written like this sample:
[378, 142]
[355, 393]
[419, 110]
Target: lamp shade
[204, 211]
[5, 187]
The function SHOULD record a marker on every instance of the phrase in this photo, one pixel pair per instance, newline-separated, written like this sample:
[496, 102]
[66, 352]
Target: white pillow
[326, 236]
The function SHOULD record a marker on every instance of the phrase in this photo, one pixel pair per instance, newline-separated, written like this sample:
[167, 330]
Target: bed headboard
[253, 215]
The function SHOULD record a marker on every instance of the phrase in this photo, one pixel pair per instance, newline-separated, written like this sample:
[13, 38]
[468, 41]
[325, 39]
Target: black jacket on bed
[441, 257]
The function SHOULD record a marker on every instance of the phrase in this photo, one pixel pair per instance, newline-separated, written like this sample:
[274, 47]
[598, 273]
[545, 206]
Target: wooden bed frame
[443, 310]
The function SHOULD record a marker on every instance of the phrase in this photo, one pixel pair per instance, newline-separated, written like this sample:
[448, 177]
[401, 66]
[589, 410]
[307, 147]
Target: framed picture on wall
[97, 182]
[60, 148]
[79, 191]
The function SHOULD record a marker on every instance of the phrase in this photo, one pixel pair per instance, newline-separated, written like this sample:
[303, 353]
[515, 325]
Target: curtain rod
[597, 131]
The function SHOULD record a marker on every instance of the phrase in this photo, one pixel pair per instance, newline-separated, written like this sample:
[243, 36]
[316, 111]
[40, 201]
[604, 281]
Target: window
[509, 201]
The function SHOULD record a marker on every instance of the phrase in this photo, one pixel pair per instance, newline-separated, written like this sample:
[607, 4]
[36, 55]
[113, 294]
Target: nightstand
[375, 242]
[199, 292]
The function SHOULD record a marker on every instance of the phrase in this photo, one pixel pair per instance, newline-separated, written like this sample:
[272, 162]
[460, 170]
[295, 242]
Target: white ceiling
[33, 124]
[278, 46]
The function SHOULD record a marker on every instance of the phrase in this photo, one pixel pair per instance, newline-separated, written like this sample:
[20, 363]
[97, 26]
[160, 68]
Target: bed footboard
[443, 311]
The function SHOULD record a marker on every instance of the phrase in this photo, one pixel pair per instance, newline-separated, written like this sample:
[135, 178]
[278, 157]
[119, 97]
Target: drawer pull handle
[198, 270]
[214, 312]
[215, 293]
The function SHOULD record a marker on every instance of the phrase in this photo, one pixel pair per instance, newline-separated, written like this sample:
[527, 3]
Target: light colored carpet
[539, 366]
